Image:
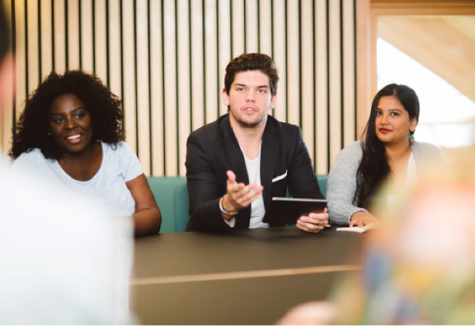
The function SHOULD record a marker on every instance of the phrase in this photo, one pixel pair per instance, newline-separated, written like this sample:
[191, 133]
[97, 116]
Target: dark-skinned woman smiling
[70, 132]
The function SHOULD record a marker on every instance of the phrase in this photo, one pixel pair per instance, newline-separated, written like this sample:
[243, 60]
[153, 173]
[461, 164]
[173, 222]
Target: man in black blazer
[247, 156]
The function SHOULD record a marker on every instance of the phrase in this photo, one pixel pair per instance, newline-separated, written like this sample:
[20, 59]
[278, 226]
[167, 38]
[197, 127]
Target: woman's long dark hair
[374, 167]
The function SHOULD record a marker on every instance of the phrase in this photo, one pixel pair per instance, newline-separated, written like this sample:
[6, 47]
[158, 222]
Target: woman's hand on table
[361, 219]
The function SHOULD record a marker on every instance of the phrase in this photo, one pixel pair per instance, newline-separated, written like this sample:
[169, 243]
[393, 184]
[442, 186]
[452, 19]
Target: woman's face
[393, 123]
[70, 124]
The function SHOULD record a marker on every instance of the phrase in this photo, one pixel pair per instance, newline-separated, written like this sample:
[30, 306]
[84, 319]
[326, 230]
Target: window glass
[434, 56]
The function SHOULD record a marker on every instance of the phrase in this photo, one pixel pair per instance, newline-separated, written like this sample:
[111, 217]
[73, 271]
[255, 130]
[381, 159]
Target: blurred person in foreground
[63, 258]
[417, 268]
[388, 151]
[236, 164]
[71, 132]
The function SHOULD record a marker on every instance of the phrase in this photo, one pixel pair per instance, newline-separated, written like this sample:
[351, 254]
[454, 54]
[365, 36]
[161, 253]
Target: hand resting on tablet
[314, 222]
[309, 214]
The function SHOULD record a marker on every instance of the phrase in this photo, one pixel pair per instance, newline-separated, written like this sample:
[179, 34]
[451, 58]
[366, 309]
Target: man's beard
[251, 125]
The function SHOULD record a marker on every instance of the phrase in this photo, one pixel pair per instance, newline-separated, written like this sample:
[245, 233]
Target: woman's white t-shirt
[119, 165]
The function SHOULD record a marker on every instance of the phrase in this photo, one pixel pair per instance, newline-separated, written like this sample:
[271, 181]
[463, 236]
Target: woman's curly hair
[103, 106]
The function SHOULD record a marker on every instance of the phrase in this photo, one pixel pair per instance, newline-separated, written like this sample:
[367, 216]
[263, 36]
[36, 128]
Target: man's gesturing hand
[239, 195]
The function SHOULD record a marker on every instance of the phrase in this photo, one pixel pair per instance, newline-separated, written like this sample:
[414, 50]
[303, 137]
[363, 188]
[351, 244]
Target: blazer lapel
[238, 166]
[233, 151]
[270, 148]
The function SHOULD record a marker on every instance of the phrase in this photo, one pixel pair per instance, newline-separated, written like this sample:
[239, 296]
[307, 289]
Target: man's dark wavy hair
[252, 61]
[103, 106]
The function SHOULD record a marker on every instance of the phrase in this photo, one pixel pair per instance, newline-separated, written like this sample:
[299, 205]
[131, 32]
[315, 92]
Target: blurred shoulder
[424, 149]
[34, 154]
[26, 160]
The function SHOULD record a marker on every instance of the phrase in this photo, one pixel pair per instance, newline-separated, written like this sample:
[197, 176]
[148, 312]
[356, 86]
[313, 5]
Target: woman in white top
[70, 133]
[387, 151]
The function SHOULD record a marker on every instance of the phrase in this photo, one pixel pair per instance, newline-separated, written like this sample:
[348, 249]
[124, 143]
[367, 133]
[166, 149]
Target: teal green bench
[171, 195]
[163, 188]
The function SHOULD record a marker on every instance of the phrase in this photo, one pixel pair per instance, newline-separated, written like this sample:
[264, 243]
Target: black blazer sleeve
[204, 187]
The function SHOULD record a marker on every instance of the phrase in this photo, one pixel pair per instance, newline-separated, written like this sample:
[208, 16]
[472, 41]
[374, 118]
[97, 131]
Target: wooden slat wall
[166, 60]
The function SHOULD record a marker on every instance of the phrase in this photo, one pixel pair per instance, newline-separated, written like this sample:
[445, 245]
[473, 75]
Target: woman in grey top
[387, 151]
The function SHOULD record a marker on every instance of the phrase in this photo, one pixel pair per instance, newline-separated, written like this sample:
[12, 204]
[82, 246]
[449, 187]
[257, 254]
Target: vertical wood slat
[143, 105]
[364, 63]
[33, 50]
[251, 27]
[128, 73]
[197, 79]
[237, 28]
[73, 34]
[265, 19]
[156, 88]
[293, 63]
[280, 59]
[348, 82]
[170, 88]
[59, 35]
[321, 73]
[114, 45]
[100, 45]
[183, 50]
[46, 39]
[306, 76]
[87, 55]
[173, 85]
[210, 59]
[224, 45]
[334, 79]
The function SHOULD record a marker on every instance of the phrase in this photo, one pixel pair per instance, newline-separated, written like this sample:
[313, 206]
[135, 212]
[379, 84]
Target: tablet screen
[284, 210]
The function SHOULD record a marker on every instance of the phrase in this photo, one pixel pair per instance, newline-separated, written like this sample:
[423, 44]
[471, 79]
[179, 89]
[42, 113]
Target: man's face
[249, 99]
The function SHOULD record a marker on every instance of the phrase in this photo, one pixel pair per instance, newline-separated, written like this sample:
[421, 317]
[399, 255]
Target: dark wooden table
[242, 277]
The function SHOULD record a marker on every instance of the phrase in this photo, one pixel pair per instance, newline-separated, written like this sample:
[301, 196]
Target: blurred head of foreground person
[422, 269]
[419, 268]
[63, 258]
